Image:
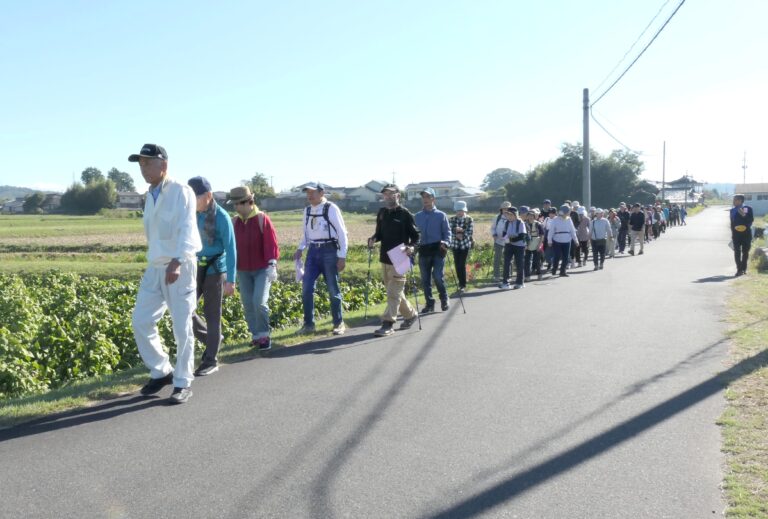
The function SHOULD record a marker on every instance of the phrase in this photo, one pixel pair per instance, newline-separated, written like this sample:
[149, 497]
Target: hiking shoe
[596, 267]
[504, 286]
[563, 275]
[156, 384]
[386, 329]
[428, 309]
[180, 395]
[263, 343]
[631, 253]
[541, 276]
[339, 329]
[206, 369]
[306, 329]
[640, 253]
[407, 323]
[527, 279]
[518, 286]
[444, 305]
[601, 266]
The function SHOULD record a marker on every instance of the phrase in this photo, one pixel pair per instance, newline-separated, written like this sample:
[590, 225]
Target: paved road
[586, 397]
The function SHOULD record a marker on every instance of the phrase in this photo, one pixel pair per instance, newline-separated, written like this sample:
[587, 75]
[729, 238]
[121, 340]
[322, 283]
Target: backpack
[326, 208]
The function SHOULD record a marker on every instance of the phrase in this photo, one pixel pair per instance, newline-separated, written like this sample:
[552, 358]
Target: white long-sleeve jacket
[170, 224]
[561, 230]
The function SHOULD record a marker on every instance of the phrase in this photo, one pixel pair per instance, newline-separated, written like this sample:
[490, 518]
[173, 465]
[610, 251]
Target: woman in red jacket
[257, 255]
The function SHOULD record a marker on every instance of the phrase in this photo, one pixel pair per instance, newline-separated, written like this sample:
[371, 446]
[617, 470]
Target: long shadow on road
[523, 481]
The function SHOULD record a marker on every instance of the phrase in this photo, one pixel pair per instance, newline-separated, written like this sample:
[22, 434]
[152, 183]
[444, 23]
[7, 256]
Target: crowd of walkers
[195, 250]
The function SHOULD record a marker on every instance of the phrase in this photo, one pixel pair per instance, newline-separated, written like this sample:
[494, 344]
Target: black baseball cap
[149, 150]
[314, 186]
[390, 187]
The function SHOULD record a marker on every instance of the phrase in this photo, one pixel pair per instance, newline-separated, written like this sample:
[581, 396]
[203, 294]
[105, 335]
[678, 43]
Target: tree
[260, 187]
[498, 178]
[90, 175]
[122, 180]
[33, 203]
[615, 178]
[89, 199]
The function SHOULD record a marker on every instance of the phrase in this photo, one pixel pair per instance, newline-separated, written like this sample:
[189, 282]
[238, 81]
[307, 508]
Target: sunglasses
[243, 202]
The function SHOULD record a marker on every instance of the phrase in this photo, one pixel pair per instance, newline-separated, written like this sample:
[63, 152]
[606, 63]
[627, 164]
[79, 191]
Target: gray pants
[208, 331]
[498, 260]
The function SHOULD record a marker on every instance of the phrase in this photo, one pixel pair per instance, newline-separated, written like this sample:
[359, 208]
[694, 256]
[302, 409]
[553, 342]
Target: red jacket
[254, 247]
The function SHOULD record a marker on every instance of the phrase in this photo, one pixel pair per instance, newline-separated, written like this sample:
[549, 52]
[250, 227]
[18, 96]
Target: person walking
[395, 226]
[435, 237]
[742, 218]
[600, 233]
[257, 256]
[583, 231]
[637, 228]
[623, 216]
[170, 225]
[514, 250]
[325, 237]
[462, 230]
[535, 245]
[216, 272]
[498, 227]
[560, 236]
[610, 246]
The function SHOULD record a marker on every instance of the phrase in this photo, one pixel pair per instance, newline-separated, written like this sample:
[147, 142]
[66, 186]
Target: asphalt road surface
[593, 396]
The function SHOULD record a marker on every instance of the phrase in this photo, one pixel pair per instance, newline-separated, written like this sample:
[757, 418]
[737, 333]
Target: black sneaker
[640, 253]
[428, 309]
[206, 368]
[263, 343]
[180, 395]
[156, 384]
[444, 306]
[407, 323]
[386, 329]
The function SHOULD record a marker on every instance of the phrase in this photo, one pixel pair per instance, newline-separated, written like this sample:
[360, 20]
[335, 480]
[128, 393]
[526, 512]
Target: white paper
[400, 260]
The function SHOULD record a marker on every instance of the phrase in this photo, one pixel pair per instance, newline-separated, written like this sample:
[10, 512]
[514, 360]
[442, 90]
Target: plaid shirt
[465, 223]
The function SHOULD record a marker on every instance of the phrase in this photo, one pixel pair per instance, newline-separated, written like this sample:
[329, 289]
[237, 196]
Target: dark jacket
[637, 221]
[394, 227]
[738, 220]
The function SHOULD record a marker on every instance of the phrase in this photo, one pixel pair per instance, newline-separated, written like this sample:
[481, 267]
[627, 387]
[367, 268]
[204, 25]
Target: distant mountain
[11, 192]
[721, 188]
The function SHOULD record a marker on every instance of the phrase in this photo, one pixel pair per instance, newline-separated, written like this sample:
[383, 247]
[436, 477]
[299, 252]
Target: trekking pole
[368, 281]
[456, 282]
[415, 291]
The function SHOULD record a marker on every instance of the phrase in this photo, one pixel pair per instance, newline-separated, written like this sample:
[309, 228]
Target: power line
[611, 135]
[631, 47]
[641, 53]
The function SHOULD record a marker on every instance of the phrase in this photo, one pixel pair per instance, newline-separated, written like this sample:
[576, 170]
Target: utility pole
[663, 172]
[744, 168]
[393, 178]
[586, 185]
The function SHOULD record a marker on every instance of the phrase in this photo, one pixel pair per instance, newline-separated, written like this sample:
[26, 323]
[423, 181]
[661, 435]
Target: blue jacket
[433, 227]
[224, 241]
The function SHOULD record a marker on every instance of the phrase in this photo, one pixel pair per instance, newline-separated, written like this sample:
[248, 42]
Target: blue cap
[429, 191]
[524, 209]
[315, 186]
[548, 201]
[199, 185]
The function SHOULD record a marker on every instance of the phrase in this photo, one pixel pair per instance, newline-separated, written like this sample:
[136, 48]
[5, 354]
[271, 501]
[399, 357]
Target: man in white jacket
[170, 279]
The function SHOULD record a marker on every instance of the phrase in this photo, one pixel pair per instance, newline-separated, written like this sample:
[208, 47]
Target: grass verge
[745, 420]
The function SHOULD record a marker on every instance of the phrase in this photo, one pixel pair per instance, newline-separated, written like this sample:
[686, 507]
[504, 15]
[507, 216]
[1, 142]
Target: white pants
[180, 298]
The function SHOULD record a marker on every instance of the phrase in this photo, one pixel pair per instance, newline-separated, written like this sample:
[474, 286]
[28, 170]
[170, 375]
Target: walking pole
[456, 282]
[415, 290]
[368, 281]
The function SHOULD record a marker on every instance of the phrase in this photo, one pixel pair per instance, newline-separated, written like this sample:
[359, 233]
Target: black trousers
[532, 262]
[742, 242]
[460, 262]
[623, 233]
[598, 252]
[516, 252]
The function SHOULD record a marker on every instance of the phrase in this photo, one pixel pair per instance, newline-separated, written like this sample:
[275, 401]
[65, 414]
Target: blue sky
[347, 91]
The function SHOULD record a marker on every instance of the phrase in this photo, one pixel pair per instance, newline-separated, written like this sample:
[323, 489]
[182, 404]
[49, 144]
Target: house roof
[438, 183]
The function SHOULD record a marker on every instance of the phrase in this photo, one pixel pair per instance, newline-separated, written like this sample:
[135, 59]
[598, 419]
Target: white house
[15, 206]
[370, 192]
[129, 200]
[452, 189]
[755, 196]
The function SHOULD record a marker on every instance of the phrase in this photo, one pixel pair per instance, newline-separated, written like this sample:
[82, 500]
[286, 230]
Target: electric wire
[639, 55]
[592, 115]
[631, 47]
